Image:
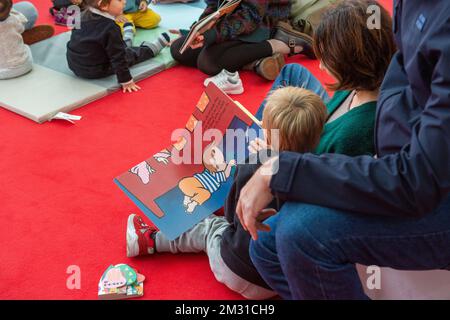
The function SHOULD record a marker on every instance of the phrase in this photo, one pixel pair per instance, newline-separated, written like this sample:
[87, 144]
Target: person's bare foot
[37, 33]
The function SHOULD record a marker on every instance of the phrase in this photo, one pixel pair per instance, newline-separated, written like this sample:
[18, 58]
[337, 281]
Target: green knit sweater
[351, 134]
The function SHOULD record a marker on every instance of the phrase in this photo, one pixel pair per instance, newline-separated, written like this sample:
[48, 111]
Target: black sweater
[97, 49]
[235, 242]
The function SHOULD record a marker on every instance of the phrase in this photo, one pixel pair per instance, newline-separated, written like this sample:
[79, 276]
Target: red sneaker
[139, 237]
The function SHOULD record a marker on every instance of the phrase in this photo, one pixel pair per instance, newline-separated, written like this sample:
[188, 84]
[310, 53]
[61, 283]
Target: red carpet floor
[59, 206]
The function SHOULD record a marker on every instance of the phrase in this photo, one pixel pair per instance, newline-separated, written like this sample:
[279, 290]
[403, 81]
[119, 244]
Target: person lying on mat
[392, 210]
[97, 50]
[299, 115]
[248, 37]
[136, 14]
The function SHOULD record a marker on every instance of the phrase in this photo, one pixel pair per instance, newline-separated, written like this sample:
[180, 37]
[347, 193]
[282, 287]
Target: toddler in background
[136, 14]
[299, 116]
[97, 49]
[15, 56]
[61, 11]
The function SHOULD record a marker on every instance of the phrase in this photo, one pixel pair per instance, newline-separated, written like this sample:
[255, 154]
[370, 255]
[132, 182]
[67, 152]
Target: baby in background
[136, 14]
[97, 50]
[15, 56]
[299, 116]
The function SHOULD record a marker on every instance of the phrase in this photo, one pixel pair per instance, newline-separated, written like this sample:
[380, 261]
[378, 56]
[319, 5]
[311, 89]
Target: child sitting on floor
[136, 15]
[16, 59]
[63, 13]
[299, 116]
[97, 49]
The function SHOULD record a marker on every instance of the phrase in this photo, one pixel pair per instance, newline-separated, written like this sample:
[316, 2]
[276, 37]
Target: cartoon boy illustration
[199, 188]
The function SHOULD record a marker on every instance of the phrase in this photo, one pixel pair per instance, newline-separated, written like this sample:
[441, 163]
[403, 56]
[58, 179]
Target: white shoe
[222, 75]
[230, 86]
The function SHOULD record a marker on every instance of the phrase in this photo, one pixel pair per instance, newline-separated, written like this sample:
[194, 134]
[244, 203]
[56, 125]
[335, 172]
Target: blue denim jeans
[29, 11]
[296, 75]
[311, 251]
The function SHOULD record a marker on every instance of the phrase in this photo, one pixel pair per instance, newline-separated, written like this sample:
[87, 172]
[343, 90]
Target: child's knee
[155, 17]
[150, 20]
[184, 186]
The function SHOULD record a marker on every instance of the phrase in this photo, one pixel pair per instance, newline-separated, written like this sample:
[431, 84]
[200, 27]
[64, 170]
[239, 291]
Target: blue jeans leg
[265, 258]
[295, 75]
[311, 251]
[29, 11]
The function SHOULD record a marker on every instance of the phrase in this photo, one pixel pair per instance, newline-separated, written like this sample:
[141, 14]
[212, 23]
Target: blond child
[299, 115]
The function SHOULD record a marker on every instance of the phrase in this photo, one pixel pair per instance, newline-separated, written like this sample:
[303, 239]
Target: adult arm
[412, 182]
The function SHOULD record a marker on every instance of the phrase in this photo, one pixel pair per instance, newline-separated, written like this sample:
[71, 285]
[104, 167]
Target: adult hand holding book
[195, 38]
[199, 38]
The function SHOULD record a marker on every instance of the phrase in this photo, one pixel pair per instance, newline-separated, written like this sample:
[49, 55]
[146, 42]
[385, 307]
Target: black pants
[229, 55]
[133, 55]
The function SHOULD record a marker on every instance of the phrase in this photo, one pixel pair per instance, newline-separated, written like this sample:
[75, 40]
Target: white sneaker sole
[132, 238]
[234, 91]
[208, 80]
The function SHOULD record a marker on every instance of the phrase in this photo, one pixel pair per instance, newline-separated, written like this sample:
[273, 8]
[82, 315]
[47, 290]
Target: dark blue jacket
[412, 175]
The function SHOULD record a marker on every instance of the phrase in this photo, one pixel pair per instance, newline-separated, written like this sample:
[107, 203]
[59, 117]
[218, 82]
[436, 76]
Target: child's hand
[232, 163]
[130, 87]
[177, 33]
[143, 6]
[121, 19]
[257, 145]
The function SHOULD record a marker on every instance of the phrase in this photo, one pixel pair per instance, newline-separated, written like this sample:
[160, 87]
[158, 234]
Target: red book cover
[190, 179]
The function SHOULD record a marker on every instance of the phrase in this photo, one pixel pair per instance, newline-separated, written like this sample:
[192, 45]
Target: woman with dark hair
[246, 37]
[357, 58]
[388, 211]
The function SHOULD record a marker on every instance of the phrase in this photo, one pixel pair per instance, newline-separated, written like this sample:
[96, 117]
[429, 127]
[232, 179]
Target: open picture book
[190, 179]
[201, 26]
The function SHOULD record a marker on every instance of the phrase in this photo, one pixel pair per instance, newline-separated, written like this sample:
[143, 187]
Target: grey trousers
[206, 237]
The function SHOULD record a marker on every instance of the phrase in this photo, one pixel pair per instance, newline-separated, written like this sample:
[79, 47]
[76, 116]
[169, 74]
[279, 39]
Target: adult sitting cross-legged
[392, 210]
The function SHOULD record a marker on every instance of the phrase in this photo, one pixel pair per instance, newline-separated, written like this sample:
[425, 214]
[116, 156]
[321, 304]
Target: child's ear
[101, 5]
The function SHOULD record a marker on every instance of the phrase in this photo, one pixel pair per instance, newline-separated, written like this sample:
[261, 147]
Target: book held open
[203, 25]
[190, 179]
